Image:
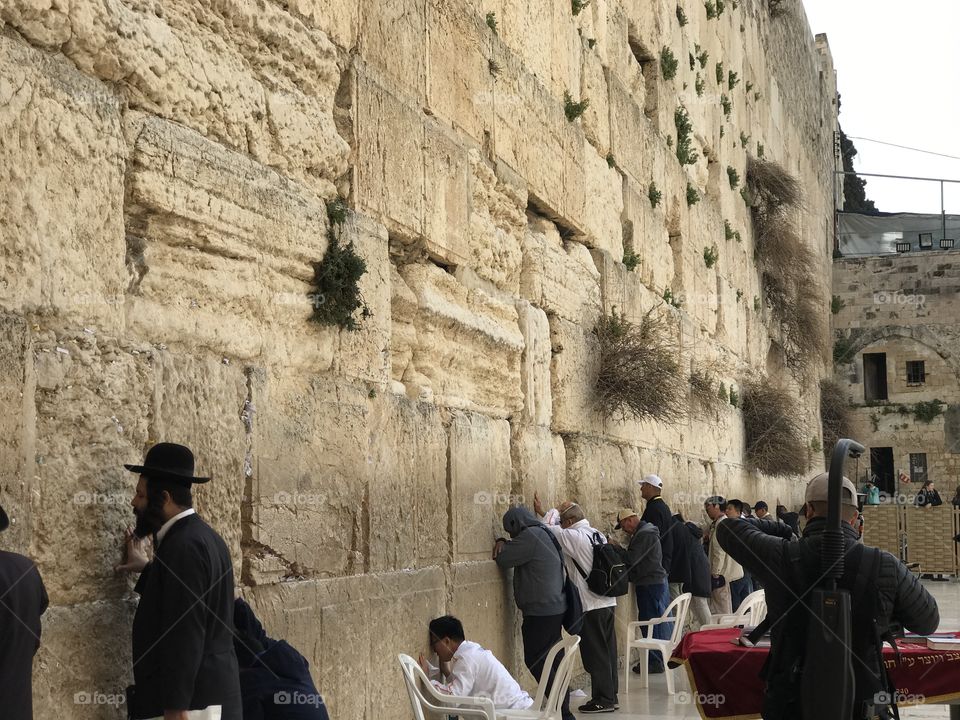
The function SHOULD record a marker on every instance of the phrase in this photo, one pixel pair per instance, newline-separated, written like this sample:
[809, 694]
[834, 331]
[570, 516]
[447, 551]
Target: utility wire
[904, 147]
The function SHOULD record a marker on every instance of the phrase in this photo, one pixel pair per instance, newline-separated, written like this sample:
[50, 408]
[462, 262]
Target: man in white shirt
[723, 568]
[598, 638]
[471, 671]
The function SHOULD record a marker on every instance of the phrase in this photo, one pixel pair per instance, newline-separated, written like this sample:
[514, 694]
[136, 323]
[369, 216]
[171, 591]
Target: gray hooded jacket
[537, 569]
[644, 557]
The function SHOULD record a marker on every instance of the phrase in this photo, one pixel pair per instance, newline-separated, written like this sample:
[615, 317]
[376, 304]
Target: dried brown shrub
[639, 375]
[835, 415]
[774, 428]
[789, 269]
[704, 395]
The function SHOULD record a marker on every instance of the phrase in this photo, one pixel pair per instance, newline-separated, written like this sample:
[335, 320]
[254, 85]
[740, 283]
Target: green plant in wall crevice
[668, 63]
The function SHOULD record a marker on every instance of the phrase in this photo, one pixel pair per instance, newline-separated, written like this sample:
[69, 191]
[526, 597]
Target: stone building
[897, 334]
[165, 172]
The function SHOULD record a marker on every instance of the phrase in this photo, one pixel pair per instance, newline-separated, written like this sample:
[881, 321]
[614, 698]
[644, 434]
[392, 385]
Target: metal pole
[943, 213]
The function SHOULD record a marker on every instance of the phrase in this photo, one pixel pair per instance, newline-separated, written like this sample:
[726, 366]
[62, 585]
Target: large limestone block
[388, 173]
[497, 223]
[627, 129]
[83, 665]
[480, 482]
[17, 388]
[363, 354]
[308, 505]
[93, 403]
[403, 337]
[61, 235]
[596, 118]
[534, 138]
[468, 344]
[604, 188]
[394, 40]
[460, 80]
[596, 477]
[200, 401]
[248, 74]
[535, 364]
[221, 248]
[539, 464]
[482, 598]
[407, 496]
[559, 277]
[622, 290]
[523, 27]
[339, 20]
[573, 372]
[645, 232]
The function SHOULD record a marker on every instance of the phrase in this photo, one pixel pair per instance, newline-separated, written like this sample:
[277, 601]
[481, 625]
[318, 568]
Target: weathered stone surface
[573, 371]
[61, 235]
[539, 464]
[84, 675]
[559, 276]
[93, 388]
[217, 71]
[199, 218]
[480, 483]
[535, 364]
[468, 343]
[17, 388]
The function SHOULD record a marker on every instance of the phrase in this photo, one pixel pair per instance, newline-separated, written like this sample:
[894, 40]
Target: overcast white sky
[898, 71]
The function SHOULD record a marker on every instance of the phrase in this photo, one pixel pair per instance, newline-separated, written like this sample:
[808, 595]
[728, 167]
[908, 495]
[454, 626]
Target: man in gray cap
[883, 593]
[23, 600]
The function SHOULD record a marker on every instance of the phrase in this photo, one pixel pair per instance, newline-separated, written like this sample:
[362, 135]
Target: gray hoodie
[537, 569]
[644, 557]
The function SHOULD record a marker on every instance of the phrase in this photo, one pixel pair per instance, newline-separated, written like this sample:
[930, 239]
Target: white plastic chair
[547, 707]
[676, 613]
[752, 611]
[423, 696]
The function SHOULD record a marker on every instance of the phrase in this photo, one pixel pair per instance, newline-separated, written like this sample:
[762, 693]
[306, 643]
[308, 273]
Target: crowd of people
[200, 653]
[739, 549]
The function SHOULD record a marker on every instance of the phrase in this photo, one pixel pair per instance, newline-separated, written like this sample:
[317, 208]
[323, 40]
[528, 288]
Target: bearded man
[184, 664]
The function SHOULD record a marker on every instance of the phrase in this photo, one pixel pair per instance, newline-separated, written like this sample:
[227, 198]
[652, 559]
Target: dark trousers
[598, 648]
[739, 589]
[540, 633]
[652, 601]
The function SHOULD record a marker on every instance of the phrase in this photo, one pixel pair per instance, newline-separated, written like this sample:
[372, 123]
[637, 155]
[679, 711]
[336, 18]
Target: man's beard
[151, 519]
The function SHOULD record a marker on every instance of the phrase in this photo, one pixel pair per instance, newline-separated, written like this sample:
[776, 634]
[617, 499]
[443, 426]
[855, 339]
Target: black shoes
[595, 707]
[651, 668]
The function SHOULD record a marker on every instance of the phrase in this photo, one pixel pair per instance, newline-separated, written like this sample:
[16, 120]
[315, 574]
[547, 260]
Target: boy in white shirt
[471, 671]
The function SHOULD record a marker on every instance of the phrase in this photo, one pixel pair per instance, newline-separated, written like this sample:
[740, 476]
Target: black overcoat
[23, 600]
[183, 655]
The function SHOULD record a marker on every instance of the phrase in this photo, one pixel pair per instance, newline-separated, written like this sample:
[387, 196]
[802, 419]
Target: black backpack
[609, 576]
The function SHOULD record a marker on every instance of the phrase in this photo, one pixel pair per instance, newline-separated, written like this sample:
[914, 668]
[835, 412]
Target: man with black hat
[23, 600]
[184, 663]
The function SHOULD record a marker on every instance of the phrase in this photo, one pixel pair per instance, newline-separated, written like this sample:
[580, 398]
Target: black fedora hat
[170, 462]
[4, 520]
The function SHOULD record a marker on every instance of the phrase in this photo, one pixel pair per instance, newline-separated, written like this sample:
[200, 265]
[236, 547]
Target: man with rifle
[883, 593]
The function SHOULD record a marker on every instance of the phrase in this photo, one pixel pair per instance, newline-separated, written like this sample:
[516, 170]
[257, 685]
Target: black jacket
[928, 497]
[643, 556]
[23, 600]
[183, 657]
[274, 678]
[658, 513]
[898, 596]
[698, 563]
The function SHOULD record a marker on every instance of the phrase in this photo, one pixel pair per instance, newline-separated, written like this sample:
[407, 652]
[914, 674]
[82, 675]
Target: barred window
[916, 372]
[918, 467]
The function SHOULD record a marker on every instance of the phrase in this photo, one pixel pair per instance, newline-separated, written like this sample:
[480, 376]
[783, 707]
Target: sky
[898, 73]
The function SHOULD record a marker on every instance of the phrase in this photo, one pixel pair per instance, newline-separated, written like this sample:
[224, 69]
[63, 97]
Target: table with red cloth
[725, 678]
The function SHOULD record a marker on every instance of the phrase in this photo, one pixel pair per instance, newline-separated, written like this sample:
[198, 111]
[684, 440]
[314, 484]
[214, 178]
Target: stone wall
[165, 171]
[906, 307]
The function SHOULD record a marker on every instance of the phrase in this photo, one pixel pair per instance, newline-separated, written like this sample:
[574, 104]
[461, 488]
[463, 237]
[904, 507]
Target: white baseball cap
[652, 480]
[817, 490]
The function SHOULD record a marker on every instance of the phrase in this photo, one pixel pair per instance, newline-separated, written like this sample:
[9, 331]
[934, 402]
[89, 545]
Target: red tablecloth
[726, 678]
